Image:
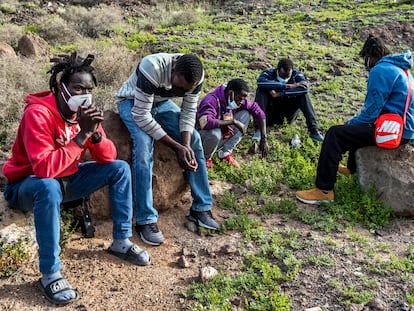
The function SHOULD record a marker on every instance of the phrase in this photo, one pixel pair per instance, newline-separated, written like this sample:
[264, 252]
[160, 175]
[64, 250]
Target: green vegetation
[13, 257]
[323, 39]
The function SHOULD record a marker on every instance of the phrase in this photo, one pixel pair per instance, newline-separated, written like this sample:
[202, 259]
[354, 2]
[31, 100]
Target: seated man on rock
[388, 89]
[45, 169]
[147, 106]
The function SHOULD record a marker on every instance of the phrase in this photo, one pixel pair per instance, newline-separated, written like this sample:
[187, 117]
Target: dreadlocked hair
[237, 86]
[66, 66]
[189, 66]
[374, 46]
[286, 64]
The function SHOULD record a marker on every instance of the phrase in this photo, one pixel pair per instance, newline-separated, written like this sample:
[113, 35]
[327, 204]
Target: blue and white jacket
[267, 81]
[387, 91]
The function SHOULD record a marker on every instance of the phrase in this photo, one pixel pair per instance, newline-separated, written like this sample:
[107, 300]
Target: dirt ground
[105, 282]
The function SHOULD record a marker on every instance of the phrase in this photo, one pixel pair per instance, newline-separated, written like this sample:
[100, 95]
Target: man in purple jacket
[222, 119]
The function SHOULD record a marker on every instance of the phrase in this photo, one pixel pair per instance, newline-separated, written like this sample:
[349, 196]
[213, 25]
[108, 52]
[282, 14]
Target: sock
[121, 245]
[62, 296]
[223, 154]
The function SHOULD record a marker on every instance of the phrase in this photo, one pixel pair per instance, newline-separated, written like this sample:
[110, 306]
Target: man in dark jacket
[281, 93]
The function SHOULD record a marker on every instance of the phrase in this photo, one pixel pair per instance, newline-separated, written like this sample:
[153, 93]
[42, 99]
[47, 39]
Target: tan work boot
[315, 196]
[343, 170]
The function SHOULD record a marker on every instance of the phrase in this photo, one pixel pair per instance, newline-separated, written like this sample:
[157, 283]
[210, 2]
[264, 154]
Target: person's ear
[58, 81]
[59, 86]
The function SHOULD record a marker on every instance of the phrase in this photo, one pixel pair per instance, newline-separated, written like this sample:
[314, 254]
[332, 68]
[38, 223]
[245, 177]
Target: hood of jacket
[45, 99]
[403, 60]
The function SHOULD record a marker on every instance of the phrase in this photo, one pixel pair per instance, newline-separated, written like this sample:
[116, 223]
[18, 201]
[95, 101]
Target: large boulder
[391, 171]
[6, 49]
[169, 184]
[31, 45]
[15, 225]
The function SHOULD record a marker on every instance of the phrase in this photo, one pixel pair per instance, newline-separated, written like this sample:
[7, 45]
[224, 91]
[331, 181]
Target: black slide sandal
[55, 287]
[133, 255]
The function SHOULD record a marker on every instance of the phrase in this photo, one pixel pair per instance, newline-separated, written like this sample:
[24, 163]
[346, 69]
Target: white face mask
[77, 100]
[284, 81]
[231, 103]
[366, 63]
[281, 80]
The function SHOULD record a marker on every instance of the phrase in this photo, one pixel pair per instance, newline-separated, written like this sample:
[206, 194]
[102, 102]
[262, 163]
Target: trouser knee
[50, 188]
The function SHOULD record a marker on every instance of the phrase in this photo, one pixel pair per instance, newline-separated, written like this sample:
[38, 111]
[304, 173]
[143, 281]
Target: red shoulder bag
[390, 126]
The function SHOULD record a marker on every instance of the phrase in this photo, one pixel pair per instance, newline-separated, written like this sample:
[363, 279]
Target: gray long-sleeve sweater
[150, 84]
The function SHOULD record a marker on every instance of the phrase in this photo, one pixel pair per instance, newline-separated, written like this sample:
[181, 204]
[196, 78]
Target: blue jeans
[213, 139]
[44, 196]
[167, 114]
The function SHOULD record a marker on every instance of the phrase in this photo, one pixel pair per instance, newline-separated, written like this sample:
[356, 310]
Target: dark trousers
[280, 108]
[338, 140]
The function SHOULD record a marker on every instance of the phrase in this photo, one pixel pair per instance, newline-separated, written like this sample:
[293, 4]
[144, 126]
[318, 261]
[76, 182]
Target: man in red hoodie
[46, 168]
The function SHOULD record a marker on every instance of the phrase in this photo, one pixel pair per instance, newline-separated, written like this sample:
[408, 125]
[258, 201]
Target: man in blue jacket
[387, 91]
[282, 92]
[222, 119]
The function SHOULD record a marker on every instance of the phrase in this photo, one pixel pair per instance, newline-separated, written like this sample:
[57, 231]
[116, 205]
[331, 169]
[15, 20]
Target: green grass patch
[13, 256]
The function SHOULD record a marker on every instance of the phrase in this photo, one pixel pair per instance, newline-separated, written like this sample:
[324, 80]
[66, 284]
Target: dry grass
[113, 65]
[55, 30]
[11, 34]
[92, 22]
[18, 77]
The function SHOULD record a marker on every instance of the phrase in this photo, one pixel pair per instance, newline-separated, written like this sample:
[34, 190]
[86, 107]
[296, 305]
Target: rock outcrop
[392, 174]
[6, 49]
[31, 45]
[168, 180]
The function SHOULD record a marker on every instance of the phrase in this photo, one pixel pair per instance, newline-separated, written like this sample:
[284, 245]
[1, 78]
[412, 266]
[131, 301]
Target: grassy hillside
[323, 38]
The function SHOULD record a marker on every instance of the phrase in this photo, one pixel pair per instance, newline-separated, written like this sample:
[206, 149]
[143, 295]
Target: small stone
[207, 273]
[356, 307]
[183, 262]
[191, 226]
[185, 252]
[377, 304]
[228, 249]
[260, 200]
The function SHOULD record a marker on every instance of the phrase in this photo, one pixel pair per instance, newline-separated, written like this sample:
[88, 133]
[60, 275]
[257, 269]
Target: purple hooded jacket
[213, 107]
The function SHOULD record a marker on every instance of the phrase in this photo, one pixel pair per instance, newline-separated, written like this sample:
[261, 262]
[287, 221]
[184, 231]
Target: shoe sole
[125, 257]
[317, 141]
[201, 224]
[149, 242]
[342, 174]
[314, 202]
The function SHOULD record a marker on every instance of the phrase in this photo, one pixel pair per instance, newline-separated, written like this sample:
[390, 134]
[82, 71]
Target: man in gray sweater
[145, 106]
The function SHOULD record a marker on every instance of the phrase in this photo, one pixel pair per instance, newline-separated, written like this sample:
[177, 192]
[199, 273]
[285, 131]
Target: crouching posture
[45, 168]
[222, 119]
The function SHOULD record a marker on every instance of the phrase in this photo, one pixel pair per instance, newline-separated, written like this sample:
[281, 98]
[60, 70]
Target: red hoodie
[44, 145]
